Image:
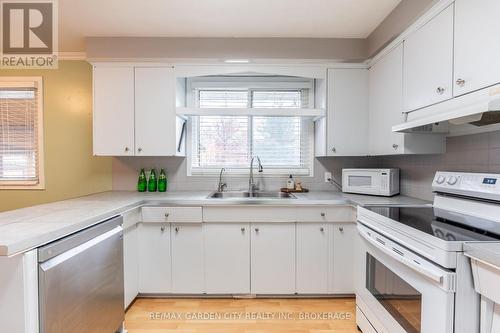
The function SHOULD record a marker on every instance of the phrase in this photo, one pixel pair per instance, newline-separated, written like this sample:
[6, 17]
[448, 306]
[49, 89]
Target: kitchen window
[223, 139]
[21, 133]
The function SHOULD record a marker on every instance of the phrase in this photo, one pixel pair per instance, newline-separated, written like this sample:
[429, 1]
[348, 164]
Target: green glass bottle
[142, 182]
[152, 181]
[162, 181]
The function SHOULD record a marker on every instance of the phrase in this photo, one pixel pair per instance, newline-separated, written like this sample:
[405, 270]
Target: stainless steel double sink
[248, 195]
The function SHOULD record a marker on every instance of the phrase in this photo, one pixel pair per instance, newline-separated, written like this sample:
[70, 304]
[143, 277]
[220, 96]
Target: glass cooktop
[434, 222]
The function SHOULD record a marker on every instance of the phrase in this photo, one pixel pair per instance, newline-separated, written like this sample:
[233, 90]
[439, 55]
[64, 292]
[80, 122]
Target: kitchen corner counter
[28, 228]
[488, 252]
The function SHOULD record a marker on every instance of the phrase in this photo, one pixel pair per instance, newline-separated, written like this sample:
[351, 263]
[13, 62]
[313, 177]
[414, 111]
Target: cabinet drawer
[326, 214]
[172, 214]
[131, 217]
[249, 214]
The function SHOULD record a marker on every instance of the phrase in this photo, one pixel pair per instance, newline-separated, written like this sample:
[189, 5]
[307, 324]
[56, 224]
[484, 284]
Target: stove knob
[452, 180]
[440, 179]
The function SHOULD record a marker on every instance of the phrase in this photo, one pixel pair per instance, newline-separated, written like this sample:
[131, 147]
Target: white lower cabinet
[188, 273]
[312, 258]
[273, 258]
[130, 264]
[154, 258]
[227, 258]
[342, 250]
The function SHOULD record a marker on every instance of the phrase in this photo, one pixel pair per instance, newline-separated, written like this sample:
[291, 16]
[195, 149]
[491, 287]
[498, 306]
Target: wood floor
[242, 316]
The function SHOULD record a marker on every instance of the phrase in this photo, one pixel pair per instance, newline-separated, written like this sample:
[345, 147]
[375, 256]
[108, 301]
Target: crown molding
[72, 56]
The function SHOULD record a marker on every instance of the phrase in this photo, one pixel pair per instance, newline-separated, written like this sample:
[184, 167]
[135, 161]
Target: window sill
[22, 187]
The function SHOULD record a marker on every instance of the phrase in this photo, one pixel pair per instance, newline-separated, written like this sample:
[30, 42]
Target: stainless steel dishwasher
[81, 281]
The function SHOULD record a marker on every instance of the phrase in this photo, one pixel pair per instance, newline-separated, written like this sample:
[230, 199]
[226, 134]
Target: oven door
[363, 182]
[400, 291]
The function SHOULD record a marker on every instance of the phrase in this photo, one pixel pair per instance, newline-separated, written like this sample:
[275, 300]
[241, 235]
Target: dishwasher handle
[61, 258]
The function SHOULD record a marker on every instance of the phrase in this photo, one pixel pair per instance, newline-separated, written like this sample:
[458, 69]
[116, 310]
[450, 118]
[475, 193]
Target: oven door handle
[434, 275]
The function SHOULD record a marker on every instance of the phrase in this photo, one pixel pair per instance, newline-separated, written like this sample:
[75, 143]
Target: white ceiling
[218, 18]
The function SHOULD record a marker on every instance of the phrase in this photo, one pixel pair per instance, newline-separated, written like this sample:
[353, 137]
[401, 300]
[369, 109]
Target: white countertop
[488, 252]
[28, 228]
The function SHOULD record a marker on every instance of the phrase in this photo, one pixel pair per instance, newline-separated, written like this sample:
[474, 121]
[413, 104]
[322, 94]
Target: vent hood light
[236, 61]
[479, 108]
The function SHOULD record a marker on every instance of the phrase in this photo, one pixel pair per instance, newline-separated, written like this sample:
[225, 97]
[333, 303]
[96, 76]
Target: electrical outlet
[328, 175]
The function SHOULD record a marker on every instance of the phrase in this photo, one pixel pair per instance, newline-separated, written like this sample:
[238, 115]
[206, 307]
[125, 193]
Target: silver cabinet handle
[323, 214]
[176, 229]
[322, 229]
[440, 90]
[167, 215]
[341, 229]
[139, 149]
[127, 149]
[162, 229]
[242, 230]
[256, 229]
[395, 146]
[334, 149]
[460, 82]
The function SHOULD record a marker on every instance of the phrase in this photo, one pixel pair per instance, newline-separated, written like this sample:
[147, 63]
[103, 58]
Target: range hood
[476, 109]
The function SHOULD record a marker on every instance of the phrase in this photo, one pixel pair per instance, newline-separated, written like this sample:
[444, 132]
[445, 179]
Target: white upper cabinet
[347, 112]
[386, 110]
[477, 47]
[385, 99]
[135, 112]
[428, 63]
[155, 112]
[113, 111]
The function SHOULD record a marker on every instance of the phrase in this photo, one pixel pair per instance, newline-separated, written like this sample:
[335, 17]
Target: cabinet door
[154, 258]
[113, 111]
[343, 254]
[477, 50]
[347, 112]
[385, 100]
[155, 113]
[227, 258]
[188, 272]
[428, 63]
[273, 258]
[130, 264]
[312, 258]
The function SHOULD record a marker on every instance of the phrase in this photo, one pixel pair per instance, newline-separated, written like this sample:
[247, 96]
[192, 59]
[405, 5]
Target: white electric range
[414, 276]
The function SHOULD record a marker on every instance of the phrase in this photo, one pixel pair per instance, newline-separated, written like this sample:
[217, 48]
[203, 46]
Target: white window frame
[247, 83]
[28, 82]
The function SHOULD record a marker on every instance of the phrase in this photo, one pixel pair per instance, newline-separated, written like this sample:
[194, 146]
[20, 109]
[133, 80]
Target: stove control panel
[479, 185]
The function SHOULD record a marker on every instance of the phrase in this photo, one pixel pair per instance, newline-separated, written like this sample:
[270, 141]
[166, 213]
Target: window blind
[19, 135]
[282, 143]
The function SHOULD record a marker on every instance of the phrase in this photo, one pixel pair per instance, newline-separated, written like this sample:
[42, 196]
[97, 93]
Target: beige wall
[342, 49]
[70, 168]
[398, 20]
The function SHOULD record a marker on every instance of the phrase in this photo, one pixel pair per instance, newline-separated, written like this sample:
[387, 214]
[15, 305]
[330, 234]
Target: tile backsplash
[126, 170]
[471, 153]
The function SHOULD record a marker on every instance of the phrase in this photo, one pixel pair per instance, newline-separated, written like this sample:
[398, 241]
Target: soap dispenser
[290, 183]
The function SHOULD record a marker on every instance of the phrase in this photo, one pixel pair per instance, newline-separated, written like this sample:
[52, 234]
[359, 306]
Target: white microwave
[384, 182]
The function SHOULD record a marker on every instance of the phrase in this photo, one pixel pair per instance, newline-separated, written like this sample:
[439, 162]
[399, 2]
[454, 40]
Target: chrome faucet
[222, 186]
[251, 184]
